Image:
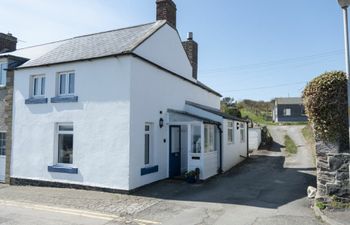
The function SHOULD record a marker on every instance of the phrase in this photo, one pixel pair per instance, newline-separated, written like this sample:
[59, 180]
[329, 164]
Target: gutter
[247, 139]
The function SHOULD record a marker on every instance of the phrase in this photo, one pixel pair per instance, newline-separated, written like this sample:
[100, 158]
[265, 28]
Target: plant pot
[191, 179]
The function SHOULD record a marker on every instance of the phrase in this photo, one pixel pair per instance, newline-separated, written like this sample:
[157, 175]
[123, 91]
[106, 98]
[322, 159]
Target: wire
[274, 63]
[266, 87]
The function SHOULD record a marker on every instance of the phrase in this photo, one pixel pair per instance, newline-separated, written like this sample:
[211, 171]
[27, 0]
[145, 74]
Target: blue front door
[175, 151]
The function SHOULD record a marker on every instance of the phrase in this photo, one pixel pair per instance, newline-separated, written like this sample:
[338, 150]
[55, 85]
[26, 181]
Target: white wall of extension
[234, 153]
[152, 91]
[100, 119]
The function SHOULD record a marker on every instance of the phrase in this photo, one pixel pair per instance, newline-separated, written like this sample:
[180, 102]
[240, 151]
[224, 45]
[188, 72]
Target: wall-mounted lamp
[161, 122]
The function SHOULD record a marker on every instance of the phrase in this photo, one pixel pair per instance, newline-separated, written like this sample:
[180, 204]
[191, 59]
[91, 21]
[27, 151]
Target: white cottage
[118, 110]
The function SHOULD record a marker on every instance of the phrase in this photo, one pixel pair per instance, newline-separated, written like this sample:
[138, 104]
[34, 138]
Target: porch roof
[203, 119]
[215, 111]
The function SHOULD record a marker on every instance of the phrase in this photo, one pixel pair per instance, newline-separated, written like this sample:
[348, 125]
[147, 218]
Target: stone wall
[332, 172]
[8, 100]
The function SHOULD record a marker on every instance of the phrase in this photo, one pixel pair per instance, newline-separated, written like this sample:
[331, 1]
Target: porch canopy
[199, 146]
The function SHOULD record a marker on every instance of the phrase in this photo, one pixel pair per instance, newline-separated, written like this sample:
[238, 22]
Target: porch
[194, 143]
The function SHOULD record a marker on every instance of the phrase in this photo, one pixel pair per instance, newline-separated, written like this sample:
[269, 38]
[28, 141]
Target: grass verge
[290, 145]
[308, 134]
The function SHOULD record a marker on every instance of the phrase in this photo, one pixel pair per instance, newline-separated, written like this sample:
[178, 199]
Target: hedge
[326, 105]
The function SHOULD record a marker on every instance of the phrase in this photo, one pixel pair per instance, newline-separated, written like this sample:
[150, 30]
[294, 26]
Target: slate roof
[91, 46]
[289, 101]
[215, 111]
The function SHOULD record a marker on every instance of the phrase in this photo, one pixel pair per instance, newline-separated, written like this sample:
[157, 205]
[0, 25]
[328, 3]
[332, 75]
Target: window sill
[62, 169]
[64, 99]
[36, 101]
[148, 170]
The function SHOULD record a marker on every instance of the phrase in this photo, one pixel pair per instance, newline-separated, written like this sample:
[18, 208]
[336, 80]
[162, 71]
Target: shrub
[266, 138]
[291, 147]
[325, 101]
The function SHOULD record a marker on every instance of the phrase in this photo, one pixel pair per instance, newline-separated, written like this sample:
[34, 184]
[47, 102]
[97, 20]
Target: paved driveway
[268, 188]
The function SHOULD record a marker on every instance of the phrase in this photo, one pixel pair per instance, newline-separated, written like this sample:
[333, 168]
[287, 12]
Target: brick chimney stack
[8, 43]
[166, 10]
[191, 49]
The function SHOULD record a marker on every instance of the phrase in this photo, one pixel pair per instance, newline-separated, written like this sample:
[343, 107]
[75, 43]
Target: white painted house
[118, 110]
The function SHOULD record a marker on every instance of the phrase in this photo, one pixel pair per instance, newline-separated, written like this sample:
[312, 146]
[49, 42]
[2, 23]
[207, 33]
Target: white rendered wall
[154, 90]
[254, 138]
[165, 49]
[100, 119]
[233, 152]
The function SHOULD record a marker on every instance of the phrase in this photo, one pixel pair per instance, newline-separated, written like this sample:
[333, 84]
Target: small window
[242, 133]
[3, 73]
[65, 143]
[287, 112]
[2, 144]
[66, 83]
[230, 130]
[38, 86]
[209, 137]
[148, 143]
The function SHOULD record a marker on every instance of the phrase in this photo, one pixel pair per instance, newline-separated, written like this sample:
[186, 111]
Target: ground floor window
[230, 137]
[148, 143]
[209, 137]
[242, 133]
[2, 143]
[287, 112]
[65, 143]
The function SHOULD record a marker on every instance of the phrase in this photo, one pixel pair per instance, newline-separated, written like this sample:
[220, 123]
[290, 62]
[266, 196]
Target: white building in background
[118, 110]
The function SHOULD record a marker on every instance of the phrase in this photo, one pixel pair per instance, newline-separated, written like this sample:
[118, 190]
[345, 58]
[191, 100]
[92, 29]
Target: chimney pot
[8, 43]
[190, 36]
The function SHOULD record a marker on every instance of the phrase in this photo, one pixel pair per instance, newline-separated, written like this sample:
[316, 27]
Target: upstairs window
[66, 83]
[38, 86]
[3, 72]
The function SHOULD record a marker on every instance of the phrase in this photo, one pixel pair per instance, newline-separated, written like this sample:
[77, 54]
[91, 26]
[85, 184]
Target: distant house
[118, 110]
[289, 109]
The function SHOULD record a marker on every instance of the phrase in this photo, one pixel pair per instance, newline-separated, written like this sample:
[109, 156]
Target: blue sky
[247, 49]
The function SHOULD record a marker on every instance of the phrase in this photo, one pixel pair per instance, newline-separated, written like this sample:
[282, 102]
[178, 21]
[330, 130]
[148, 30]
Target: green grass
[321, 205]
[308, 134]
[291, 147]
[256, 118]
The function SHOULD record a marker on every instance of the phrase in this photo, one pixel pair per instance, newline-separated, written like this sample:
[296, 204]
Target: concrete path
[269, 188]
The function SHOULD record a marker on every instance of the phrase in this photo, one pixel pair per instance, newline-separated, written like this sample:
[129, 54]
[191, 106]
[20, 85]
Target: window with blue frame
[3, 73]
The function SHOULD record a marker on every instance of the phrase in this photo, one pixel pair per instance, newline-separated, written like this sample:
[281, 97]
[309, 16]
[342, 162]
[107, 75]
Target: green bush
[325, 100]
[266, 138]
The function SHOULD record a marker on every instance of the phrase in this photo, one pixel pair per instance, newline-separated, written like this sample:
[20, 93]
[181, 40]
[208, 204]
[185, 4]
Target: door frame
[170, 143]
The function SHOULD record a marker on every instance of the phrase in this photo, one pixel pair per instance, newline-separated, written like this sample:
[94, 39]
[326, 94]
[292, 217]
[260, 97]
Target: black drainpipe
[220, 166]
[247, 139]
